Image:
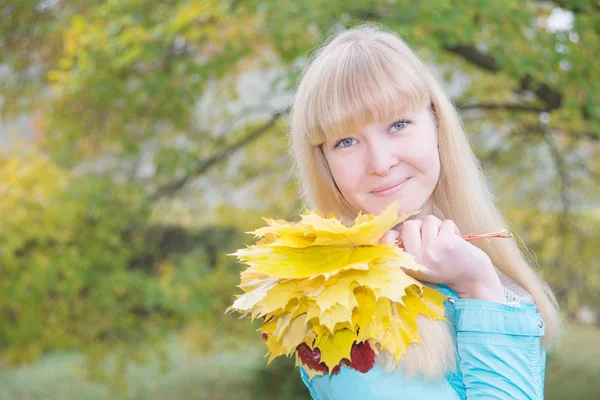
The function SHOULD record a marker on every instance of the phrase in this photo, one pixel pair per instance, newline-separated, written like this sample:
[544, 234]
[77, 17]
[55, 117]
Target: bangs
[360, 83]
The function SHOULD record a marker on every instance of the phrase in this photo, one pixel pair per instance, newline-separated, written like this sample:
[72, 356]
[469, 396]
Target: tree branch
[474, 56]
[220, 155]
[551, 97]
[501, 106]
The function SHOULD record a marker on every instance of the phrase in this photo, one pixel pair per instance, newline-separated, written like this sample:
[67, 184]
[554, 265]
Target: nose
[381, 158]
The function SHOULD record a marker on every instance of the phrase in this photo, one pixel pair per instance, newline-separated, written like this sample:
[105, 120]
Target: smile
[390, 190]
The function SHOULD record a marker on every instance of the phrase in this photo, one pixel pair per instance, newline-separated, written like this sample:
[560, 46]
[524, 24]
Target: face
[388, 161]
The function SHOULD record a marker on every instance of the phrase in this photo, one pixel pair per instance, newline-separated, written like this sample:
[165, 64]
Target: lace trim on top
[512, 290]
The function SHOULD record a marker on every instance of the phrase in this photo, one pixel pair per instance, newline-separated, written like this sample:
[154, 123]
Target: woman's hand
[451, 260]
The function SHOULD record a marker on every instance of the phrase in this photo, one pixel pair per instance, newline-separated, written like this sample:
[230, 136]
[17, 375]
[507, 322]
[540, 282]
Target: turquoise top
[499, 357]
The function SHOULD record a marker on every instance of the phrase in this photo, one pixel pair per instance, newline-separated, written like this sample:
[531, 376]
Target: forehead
[346, 104]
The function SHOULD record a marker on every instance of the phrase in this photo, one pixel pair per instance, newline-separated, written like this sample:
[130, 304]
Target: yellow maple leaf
[333, 316]
[297, 330]
[365, 313]
[337, 346]
[314, 229]
[249, 299]
[327, 286]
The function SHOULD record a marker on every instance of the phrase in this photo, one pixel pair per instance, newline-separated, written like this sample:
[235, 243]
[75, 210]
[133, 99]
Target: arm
[499, 352]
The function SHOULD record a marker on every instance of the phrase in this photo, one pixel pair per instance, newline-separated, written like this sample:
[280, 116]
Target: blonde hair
[366, 74]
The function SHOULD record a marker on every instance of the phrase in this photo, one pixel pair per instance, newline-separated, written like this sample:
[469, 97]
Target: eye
[345, 142]
[399, 125]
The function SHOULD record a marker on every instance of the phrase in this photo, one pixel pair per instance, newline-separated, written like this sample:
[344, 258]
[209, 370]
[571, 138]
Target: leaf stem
[504, 233]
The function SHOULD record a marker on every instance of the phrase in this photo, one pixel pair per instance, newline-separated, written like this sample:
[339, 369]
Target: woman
[371, 125]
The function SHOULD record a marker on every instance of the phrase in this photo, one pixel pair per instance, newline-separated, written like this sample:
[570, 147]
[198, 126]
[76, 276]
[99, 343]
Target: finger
[411, 237]
[429, 230]
[390, 237]
[449, 228]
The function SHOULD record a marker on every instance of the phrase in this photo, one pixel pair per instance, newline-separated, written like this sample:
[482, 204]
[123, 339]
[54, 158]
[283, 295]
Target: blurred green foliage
[571, 374]
[159, 139]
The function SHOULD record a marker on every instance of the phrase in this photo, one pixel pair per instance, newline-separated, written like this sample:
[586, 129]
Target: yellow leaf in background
[329, 318]
[314, 229]
[319, 225]
[375, 330]
[335, 347]
[314, 311]
[280, 227]
[396, 340]
[300, 308]
[370, 228]
[417, 304]
[291, 305]
[434, 300]
[367, 231]
[364, 314]
[276, 348]
[341, 293]
[311, 337]
[395, 257]
[313, 287]
[298, 263]
[267, 239]
[343, 325]
[249, 299]
[269, 327]
[408, 322]
[250, 280]
[384, 281]
[295, 333]
[294, 241]
[320, 331]
[383, 310]
[395, 287]
[382, 318]
[283, 322]
[277, 298]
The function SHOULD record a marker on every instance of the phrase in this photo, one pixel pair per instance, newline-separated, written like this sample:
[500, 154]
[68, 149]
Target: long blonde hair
[367, 74]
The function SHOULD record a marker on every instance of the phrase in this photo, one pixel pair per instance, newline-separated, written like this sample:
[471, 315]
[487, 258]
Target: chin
[381, 207]
[406, 207]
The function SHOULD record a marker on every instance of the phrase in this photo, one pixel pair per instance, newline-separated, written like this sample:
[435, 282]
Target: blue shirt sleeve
[499, 350]
[308, 384]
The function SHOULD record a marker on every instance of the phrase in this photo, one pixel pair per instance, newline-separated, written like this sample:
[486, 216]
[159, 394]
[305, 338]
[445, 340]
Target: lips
[382, 189]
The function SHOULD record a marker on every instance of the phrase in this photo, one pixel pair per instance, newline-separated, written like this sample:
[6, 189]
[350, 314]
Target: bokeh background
[140, 139]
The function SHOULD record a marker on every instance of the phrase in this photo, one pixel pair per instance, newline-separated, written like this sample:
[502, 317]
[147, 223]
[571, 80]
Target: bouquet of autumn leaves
[331, 294]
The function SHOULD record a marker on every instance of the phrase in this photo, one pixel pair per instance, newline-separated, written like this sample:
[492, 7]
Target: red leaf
[362, 357]
[311, 358]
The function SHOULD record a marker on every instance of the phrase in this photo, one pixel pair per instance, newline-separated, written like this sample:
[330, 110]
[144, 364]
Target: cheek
[434, 164]
[347, 175]
[426, 159]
